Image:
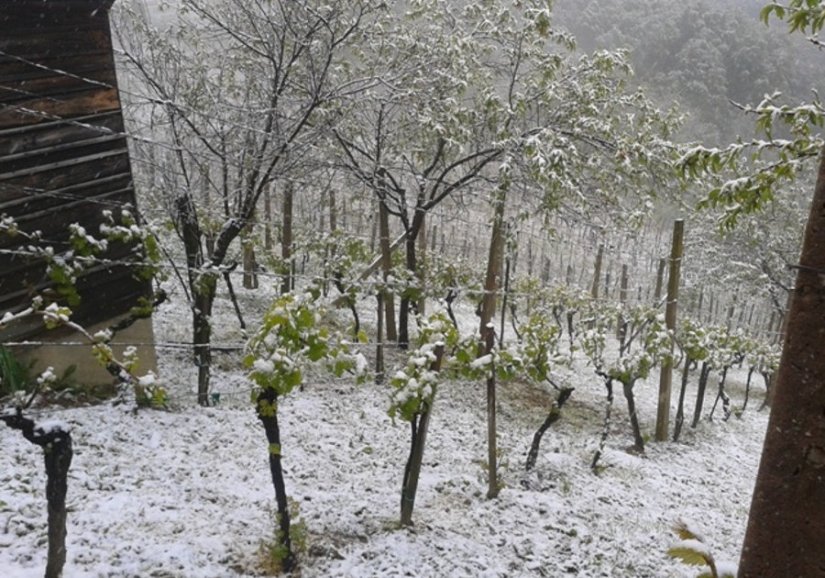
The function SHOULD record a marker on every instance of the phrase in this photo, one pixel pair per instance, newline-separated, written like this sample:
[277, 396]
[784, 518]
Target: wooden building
[63, 159]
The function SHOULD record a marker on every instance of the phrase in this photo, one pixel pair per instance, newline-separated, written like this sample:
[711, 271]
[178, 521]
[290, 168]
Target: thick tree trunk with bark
[786, 525]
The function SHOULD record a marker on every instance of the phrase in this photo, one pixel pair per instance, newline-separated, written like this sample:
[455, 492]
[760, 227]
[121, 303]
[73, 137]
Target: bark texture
[786, 526]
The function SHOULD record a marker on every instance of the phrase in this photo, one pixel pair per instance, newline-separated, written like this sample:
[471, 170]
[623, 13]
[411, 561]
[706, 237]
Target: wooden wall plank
[63, 155]
[32, 138]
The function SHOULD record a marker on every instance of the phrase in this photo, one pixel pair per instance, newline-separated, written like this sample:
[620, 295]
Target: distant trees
[482, 98]
[701, 54]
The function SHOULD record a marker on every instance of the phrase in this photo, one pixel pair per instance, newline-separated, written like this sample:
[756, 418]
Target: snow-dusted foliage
[292, 336]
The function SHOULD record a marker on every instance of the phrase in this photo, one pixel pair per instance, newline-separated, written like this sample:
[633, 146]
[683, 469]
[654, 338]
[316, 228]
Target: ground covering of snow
[187, 493]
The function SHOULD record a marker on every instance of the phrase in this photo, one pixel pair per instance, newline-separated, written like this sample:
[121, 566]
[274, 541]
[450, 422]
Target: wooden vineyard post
[677, 247]
[487, 334]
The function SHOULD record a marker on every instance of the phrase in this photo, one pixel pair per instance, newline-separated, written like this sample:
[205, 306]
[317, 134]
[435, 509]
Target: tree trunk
[608, 383]
[58, 458]
[720, 394]
[386, 266]
[597, 273]
[333, 212]
[552, 417]
[202, 284]
[751, 370]
[57, 455]
[379, 340]
[267, 410]
[418, 441]
[286, 240]
[421, 276]
[638, 440]
[268, 218]
[787, 517]
[250, 263]
[204, 296]
[700, 394]
[680, 409]
[411, 261]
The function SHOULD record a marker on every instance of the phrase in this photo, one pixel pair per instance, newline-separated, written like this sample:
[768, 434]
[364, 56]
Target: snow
[187, 492]
[52, 426]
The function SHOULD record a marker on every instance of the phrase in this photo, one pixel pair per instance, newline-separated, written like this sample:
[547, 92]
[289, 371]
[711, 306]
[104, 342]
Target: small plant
[692, 550]
[14, 376]
[291, 338]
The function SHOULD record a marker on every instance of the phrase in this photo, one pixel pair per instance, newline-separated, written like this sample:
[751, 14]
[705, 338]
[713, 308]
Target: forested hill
[700, 53]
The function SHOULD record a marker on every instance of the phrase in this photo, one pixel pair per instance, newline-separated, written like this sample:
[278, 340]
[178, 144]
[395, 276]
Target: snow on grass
[187, 493]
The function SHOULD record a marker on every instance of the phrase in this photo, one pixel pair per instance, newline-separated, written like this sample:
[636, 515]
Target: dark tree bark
[552, 417]
[680, 410]
[386, 266]
[267, 409]
[202, 285]
[608, 383]
[411, 262]
[748, 388]
[379, 344]
[720, 394]
[349, 301]
[418, 440]
[768, 378]
[57, 454]
[638, 440]
[286, 239]
[787, 517]
[704, 373]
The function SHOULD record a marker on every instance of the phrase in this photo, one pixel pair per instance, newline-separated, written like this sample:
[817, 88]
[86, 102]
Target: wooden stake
[665, 380]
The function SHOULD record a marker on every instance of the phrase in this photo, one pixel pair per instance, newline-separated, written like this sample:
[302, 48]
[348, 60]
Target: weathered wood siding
[63, 154]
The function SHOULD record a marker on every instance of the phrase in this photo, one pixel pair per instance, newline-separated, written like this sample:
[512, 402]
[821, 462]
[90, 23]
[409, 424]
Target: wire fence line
[586, 247]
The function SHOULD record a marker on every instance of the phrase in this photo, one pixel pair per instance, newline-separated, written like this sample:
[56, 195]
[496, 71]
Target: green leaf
[687, 555]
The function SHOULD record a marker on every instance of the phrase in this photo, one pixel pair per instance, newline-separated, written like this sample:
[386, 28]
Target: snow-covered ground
[187, 493]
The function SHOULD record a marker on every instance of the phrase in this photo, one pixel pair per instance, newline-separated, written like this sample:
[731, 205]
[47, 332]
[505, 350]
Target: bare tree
[236, 96]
